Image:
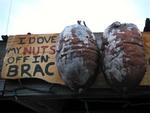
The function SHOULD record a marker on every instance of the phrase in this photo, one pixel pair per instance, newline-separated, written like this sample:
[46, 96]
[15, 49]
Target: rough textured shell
[77, 56]
[123, 56]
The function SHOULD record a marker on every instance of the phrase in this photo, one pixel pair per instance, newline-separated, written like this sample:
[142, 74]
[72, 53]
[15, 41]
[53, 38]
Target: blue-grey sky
[51, 16]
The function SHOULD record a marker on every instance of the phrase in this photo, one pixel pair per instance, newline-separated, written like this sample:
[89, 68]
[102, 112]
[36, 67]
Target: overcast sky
[51, 16]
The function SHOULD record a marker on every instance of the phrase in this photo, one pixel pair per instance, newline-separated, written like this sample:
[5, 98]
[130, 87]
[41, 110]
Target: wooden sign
[146, 38]
[31, 56]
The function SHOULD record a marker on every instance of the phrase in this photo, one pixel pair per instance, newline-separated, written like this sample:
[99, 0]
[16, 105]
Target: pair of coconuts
[120, 55]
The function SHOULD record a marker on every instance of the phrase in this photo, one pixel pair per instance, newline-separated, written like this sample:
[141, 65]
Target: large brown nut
[77, 56]
[123, 56]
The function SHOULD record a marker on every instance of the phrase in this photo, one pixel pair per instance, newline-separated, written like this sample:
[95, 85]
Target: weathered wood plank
[28, 86]
[2, 84]
[33, 87]
[45, 91]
